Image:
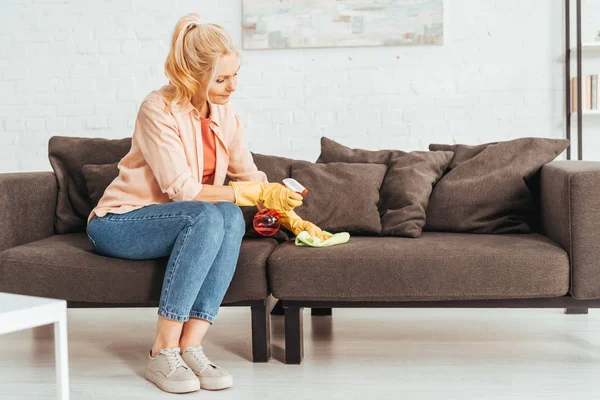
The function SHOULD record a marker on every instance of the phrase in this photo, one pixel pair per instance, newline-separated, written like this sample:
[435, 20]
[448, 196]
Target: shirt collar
[187, 108]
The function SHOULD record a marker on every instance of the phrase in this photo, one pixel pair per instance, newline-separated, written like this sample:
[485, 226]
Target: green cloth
[304, 239]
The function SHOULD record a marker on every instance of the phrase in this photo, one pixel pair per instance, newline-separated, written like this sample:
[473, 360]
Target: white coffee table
[19, 312]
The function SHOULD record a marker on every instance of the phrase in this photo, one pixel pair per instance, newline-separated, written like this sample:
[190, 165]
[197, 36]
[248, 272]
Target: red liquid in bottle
[266, 222]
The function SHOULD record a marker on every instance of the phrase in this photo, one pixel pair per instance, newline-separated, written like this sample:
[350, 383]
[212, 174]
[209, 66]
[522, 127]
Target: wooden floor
[356, 354]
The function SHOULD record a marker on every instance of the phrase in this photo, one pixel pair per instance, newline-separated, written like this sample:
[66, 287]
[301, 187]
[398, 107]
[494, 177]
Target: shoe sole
[172, 387]
[220, 383]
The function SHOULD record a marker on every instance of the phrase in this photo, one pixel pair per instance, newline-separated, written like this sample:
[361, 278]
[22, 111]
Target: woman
[169, 200]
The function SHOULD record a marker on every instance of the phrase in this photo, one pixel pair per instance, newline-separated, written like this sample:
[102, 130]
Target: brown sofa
[555, 267]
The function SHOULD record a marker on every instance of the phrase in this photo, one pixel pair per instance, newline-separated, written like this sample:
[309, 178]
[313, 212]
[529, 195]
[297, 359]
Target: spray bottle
[266, 222]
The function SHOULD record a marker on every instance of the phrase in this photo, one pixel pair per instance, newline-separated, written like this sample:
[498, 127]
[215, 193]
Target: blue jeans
[201, 239]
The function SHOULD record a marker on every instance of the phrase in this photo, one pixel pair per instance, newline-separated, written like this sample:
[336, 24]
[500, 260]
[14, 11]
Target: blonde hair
[196, 52]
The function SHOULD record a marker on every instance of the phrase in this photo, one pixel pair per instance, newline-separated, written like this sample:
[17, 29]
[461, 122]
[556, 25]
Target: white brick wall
[82, 67]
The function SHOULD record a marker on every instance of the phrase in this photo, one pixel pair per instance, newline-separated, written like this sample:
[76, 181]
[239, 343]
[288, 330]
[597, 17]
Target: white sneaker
[169, 372]
[212, 377]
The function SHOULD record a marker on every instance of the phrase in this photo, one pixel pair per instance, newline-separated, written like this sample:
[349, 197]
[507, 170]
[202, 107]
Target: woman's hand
[292, 221]
[273, 196]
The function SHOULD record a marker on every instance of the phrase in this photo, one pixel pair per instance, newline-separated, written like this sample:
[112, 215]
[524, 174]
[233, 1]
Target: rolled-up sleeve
[157, 135]
[241, 164]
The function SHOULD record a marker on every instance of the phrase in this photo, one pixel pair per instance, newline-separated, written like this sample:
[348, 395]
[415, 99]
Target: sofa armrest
[27, 207]
[570, 212]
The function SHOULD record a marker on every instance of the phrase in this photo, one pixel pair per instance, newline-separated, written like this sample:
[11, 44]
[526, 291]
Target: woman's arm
[157, 136]
[215, 193]
[241, 168]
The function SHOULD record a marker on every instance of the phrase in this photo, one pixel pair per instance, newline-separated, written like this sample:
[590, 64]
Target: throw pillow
[97, 179]
[406, 188]
[67, 157]
[486, 189]
[342, 197]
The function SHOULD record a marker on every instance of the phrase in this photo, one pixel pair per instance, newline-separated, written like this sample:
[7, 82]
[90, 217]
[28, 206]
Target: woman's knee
[206, 214]
[233, 217]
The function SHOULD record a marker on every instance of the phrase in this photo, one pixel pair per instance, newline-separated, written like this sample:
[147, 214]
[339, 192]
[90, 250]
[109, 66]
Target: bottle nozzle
[295, 186]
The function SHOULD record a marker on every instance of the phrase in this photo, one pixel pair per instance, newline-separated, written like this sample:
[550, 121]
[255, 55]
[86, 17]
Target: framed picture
[287, 24]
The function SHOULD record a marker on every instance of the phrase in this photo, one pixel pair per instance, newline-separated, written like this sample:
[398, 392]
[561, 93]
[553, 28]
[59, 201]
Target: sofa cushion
[277, 168]
[67, 157]
[405, 191]
[342, 197]
[437, 266]
[97, 179]
[67, 267]
[486, 190]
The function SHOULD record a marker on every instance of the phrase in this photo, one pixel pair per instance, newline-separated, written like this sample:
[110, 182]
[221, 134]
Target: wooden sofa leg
[294, 338]
[576, 310]
[261, 334]
[320, 311]
[278, 309]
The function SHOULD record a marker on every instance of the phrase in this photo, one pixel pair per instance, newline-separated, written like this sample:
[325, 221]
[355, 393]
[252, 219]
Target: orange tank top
[209, 151]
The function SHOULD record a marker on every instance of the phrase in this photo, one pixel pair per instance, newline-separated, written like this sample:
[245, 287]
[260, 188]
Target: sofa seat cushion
[437, 266]
[67, 267]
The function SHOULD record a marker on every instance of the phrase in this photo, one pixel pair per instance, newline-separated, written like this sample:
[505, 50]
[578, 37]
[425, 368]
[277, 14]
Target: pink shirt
[166, 160]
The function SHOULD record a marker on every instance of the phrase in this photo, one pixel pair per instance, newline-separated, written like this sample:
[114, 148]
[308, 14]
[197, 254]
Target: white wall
[82, 67]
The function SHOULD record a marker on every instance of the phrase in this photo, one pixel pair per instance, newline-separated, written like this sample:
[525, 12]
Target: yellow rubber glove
[292, 221]
[273, 196]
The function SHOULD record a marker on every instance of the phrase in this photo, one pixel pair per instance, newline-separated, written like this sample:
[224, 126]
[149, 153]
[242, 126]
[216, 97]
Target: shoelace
[198, 354]
[174, 360]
